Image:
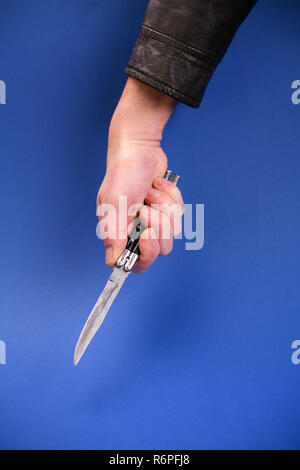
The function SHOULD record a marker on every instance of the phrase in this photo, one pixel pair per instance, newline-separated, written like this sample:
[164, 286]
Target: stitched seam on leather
[178, 45]
[179, 52]
[189, 97]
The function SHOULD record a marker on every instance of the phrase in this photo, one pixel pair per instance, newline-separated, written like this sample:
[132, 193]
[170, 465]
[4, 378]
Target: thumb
[113, 228]
[114, 219]
[113, 249]
[119, 200]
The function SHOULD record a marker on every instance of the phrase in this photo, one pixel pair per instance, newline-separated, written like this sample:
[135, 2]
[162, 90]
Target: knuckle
[166, 249]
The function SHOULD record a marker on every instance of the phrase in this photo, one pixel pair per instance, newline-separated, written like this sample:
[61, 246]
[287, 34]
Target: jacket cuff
[171, 67]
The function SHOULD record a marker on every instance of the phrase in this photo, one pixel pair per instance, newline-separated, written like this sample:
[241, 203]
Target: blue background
[196, 353]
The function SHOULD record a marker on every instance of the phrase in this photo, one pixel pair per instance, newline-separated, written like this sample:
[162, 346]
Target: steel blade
[100, 310]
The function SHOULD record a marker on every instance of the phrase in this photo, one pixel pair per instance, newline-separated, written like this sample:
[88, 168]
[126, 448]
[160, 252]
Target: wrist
[141, 113]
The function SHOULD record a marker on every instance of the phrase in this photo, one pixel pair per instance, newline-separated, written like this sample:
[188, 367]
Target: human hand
[135, 166]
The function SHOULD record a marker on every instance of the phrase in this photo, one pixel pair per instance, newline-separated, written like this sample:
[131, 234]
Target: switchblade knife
[120, 272]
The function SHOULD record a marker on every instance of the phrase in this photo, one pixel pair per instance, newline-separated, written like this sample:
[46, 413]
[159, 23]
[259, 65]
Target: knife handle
[131, 253]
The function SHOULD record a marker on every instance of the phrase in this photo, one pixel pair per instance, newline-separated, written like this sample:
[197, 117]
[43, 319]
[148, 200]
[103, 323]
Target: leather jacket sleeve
[182, 42]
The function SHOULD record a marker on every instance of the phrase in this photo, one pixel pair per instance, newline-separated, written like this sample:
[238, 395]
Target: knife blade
[95, 320]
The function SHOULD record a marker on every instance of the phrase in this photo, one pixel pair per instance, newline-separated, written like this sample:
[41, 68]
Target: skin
[136, 163]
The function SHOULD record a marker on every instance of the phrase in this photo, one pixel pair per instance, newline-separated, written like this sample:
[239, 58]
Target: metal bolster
[123, 258]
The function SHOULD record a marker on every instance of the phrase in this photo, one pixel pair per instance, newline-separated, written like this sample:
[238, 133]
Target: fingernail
[109, 255]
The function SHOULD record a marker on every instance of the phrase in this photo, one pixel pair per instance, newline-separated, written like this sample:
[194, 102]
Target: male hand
[136, 164]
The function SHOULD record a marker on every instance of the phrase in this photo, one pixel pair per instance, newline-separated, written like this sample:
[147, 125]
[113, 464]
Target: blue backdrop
[196, 353]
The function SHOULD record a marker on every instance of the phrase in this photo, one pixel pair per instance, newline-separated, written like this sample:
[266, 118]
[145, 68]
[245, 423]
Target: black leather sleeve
[182, 42]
